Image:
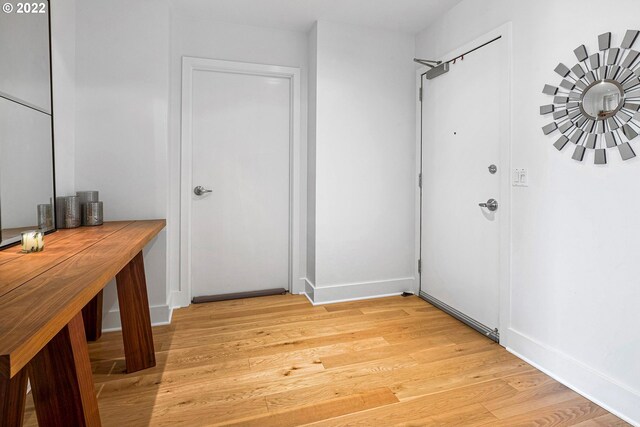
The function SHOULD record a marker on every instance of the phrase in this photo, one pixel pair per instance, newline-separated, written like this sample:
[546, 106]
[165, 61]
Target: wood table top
[41, 292]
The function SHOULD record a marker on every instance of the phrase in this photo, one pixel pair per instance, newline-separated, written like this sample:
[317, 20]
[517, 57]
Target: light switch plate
[520, 177]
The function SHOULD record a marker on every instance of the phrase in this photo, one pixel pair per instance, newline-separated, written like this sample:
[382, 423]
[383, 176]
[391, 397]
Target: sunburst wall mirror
[596, 104]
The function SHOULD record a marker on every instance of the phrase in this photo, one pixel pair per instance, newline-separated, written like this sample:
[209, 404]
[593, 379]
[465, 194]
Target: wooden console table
[51, 304]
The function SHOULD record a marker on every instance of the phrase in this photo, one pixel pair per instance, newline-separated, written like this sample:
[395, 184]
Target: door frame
[504, 255]
[191, 64]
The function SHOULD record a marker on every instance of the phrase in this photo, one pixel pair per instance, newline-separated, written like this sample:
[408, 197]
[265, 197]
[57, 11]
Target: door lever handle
[492, 205]
[200, 190]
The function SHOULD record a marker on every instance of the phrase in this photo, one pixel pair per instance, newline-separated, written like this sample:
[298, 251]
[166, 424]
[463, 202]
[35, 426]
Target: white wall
[200, 37]
[365, 166]
[574, 285]
[122, 87]
[311, 159]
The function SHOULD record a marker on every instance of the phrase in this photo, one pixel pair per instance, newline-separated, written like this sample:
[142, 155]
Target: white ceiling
[409, 16]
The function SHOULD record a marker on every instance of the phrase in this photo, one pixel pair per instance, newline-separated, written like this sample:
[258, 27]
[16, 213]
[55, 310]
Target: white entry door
[461, 113]
[240, 140]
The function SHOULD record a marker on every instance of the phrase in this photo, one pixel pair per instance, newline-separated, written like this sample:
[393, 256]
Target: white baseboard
[617, 398]
[357, 291]
[179, 299]
[299, 285]
[309, 289]
[160, 315]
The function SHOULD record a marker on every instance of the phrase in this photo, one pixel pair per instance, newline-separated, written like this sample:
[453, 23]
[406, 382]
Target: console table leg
[134, 316]
[92, 316]
[63, 390]
[13, 393]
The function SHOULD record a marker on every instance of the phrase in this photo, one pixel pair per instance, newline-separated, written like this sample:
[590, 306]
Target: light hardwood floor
[279, 361]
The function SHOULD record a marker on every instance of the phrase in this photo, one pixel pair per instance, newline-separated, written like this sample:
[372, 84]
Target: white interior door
[240, 126]
[460, 140]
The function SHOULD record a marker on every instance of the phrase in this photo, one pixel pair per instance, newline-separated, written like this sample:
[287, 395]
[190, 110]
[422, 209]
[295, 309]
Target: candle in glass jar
[32, 241]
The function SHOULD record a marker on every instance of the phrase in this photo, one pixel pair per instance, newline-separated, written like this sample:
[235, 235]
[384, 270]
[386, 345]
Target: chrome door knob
[200, 190]
[492, 205]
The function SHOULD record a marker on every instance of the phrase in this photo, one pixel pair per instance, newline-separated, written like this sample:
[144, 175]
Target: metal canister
[72, 212]
[92, 213]
[86, 197]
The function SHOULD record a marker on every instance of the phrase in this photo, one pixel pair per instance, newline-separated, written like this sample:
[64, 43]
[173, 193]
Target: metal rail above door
[438, 68]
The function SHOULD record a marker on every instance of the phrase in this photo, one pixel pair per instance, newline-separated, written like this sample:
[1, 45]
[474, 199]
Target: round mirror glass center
[602, 99]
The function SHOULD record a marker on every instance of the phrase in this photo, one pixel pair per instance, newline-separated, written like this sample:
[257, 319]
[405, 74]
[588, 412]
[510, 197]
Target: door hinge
[419, 266]
[420, 180]
[420, 94]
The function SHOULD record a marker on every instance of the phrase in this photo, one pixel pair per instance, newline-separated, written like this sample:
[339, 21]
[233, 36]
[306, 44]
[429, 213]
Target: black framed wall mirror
[27, 189]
